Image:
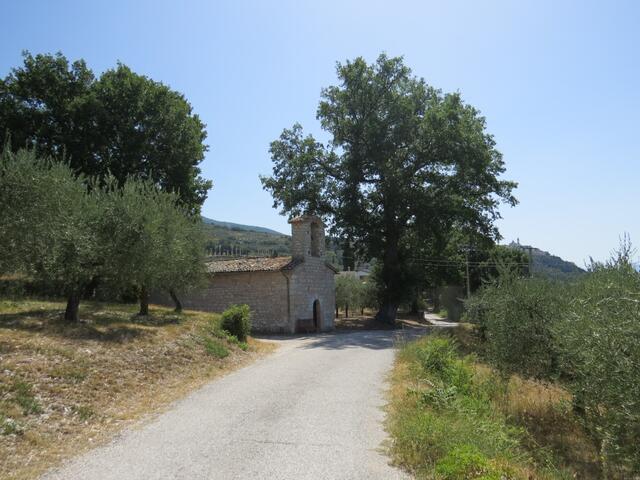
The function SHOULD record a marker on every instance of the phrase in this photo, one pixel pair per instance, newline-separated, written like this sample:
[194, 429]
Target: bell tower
[307, 237]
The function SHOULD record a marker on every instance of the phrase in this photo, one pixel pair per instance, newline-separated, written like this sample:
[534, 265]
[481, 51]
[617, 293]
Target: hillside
[549, 265]
[235, 238]
[230, 238]
[239, 226]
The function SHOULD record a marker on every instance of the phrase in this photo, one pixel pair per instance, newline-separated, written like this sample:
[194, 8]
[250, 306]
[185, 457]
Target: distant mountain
[549, 265]
[239, 226]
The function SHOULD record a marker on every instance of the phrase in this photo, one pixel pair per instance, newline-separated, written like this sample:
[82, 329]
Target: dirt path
[312, 410]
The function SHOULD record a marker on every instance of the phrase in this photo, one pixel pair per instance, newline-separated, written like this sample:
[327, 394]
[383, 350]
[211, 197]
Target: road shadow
[370, 339]
[50, 322]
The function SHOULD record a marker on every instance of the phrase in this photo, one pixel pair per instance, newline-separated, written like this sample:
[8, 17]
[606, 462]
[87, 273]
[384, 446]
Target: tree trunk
[176, 300]
[337, 312]
[346, 311]
[436, 300]
[348, 257]
[387, 313]
[73, 304]
[390, 275]
[144, 301]
[414, 306]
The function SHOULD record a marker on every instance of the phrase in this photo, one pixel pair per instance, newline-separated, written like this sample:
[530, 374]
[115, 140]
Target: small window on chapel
[316, 238]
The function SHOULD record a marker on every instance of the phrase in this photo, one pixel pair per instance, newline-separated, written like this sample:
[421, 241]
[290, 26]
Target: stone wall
[264, 292]
[313, 280]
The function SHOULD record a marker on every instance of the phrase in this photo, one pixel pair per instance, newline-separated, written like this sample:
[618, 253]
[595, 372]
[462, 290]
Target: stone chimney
[307, 237]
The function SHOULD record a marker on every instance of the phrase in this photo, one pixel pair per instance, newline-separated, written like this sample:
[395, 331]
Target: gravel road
[311, 410]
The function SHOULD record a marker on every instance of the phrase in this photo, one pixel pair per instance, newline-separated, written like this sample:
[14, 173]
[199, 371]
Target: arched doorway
[317, 317]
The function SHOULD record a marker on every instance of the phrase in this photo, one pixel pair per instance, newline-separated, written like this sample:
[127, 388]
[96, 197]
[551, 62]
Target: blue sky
[558, 82]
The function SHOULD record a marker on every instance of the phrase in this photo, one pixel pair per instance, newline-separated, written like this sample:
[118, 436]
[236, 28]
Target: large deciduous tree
[406, 164]
[122, 124]
[149, 131]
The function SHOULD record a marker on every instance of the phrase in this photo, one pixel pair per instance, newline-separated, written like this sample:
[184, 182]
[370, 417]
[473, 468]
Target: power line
[439, 262]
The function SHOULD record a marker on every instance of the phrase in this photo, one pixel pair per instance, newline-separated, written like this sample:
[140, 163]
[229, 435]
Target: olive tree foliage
[517, 317]
[368, 295]
[49, 225]
[599, 337]
[67, 230]
[585, 334]
[154, 243]
[121, 124]
[348, 293]
[181, 253]
[405, 164]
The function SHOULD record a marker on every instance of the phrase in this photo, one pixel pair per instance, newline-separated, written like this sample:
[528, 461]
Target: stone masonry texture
[282, 301]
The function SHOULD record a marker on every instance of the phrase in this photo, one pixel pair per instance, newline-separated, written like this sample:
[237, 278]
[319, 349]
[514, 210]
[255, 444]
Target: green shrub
[213, 327]
[237, 321]
[439, 360]
[465, 463]
[437, 356]
[215, 348]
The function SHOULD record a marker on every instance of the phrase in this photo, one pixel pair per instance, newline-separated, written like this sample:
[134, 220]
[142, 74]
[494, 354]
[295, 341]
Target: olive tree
[348, 292]
[599, 337]
[69, 231]
[150, 239]
[49, 225]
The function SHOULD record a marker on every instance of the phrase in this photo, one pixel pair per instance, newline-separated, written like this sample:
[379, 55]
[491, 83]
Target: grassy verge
[451, 417]
[66, 388]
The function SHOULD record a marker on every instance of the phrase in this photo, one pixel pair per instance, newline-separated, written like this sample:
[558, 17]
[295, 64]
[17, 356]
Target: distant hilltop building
[286, 294]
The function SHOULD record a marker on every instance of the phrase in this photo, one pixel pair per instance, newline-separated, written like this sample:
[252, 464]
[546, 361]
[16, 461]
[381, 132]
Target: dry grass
[67, 388]
[545, 410]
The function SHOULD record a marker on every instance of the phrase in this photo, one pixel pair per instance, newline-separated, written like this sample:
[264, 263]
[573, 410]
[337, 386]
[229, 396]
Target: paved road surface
[312, 410]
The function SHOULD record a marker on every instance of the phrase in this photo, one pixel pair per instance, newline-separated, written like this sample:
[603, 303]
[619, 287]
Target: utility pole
[530, 248]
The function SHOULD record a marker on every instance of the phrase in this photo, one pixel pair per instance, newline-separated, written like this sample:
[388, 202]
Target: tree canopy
[406, 165]
[120, 124]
